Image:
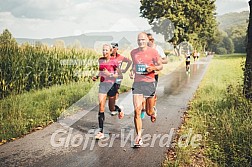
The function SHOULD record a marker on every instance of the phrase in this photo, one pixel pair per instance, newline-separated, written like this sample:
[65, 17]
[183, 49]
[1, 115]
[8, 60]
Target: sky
[58, 18]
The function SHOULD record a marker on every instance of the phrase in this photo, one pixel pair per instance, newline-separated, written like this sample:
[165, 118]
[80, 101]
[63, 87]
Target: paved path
[58, 145]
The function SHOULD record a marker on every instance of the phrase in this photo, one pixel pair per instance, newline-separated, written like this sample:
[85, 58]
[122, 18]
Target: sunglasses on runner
[114, 45]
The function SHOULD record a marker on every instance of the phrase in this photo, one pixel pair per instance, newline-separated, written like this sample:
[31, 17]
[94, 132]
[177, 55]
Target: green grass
[221, 115]
[20, 114]
[173, 63]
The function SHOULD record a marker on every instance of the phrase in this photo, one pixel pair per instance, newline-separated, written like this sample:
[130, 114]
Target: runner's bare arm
[107, 73]
[119, 72]
[164, 60]
[131, 74]
[129, 62]
[96, 76]
[157, 67]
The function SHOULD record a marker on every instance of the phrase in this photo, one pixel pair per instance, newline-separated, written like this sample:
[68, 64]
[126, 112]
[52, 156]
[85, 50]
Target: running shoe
[99, 136]
[113, 113]
[138, 142]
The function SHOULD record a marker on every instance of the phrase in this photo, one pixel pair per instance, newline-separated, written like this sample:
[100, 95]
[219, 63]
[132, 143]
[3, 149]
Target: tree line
[193, 22]
[190, 21]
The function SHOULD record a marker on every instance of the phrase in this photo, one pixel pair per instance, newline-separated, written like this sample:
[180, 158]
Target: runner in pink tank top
[120, 60]
[108, 74]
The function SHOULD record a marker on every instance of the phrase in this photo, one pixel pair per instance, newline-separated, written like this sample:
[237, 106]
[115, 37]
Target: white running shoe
[113, 113]
[138, 142]
[99, 136]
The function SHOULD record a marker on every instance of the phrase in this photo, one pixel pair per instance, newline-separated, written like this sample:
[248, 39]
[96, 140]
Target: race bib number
[141, 69]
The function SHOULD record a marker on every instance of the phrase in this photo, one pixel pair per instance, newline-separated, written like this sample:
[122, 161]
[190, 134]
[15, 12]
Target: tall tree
[248, 63]
[228, 44]
[192, 21]
[238, 34]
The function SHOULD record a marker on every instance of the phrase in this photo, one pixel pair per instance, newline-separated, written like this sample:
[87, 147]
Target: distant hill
[127, 39]
[86, 41]
[233, 19]
[89, 40]
[94, 40]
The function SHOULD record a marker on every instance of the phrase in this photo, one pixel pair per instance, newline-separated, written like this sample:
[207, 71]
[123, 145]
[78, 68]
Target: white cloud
[45, 9]
[55, 18]
[225, 6]
[125, 24]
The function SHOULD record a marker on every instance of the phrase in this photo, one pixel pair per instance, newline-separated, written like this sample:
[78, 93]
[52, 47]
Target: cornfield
[27, 67]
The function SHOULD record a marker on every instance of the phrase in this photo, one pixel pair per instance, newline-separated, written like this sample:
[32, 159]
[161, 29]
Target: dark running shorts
[108, 88]
[156, 81]
[145, 88]
[117, 87]
[187, 62]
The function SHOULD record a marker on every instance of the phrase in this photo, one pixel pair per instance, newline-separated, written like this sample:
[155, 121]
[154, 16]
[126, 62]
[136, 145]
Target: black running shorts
[108, 88]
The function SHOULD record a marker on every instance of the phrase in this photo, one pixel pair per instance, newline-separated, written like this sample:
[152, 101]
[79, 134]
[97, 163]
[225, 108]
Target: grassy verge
[23, 113]
[220, 117]
[173, 63]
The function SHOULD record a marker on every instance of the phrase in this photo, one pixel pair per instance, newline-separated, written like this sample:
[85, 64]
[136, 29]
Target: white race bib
[141, 69]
